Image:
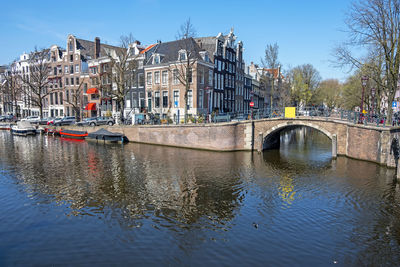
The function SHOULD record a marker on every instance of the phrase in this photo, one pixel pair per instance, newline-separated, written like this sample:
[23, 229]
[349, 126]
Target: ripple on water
[83, 203]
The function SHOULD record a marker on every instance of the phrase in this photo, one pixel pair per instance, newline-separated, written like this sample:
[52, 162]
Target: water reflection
[130, 182]
[75, 202]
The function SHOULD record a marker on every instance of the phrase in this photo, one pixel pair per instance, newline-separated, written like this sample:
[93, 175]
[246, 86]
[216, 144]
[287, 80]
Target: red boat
[73, 134]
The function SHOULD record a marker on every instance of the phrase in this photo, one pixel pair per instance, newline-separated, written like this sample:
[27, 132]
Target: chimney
[96, 47]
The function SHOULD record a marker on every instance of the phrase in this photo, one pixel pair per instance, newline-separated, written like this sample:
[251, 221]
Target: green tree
[329, 93]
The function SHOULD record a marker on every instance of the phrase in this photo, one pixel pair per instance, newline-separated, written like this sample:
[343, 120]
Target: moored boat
[73, 134]
[107, 136]
[23, 128]
[5, 126]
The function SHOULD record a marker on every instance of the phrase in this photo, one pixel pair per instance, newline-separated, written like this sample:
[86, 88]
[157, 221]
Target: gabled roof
[169, 51]
[87, 48]
[147, 48]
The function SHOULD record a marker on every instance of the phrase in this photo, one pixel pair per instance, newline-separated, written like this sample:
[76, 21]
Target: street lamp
[364, 80]
[373, 90]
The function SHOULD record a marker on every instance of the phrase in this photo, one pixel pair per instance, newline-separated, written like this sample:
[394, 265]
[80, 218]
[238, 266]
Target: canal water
[73, 203]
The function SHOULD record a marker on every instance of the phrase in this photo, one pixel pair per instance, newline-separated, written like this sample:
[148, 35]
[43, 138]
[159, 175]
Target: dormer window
[71, 46]
[156, 59]
[182, 55]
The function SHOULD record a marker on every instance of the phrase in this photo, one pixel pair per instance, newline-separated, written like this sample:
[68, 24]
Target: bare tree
[271, 56]
[36, 82]
[375, 24]
[182, 69]
[124, 67]
[75, 99]
[270, 61]
[11, 88]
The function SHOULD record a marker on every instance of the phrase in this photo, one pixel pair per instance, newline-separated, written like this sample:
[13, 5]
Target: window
[71, 58]
[165, 99]
[61, 112]
[156, 59]
[72, 81]
[175, 76]
[149, 78]
[77, 80]
[76, 68]
[201, 76]
[51, 99]
[176, 99]
[200, 99]
[164, 78]
[93, 70]
[85, 87]
[56, 98]
[54, 70]
[141, 79]
[157, 77]
[190, 99]
[67, 95]
[182, 55]
[156, 99]
[210, 77]
[70, 45]
[61, 98]
[65, 69]
[71, 69]
[66, 81]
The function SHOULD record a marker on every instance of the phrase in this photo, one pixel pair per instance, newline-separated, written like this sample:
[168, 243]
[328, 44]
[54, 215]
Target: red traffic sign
[251, 104]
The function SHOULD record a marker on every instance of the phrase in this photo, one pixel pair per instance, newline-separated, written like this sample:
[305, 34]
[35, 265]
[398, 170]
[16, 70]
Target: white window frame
[149, 77]
[156, 77]
[164, 79]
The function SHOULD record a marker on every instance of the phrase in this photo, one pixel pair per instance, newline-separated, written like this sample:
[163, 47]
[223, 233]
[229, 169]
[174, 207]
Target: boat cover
[99, 134]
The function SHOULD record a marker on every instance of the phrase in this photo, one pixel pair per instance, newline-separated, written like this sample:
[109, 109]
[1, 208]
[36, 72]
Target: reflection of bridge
[353, 140]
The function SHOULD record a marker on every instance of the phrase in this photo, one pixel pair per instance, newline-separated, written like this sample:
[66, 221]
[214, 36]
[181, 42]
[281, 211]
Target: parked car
[65, 121]
[53, 121]
[7, 118]
[44, 121]
[99, 121]
[87, 122]
[31, 119]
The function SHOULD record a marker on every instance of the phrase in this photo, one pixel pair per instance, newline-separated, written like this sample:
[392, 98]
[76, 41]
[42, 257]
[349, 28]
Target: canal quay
[81, 203]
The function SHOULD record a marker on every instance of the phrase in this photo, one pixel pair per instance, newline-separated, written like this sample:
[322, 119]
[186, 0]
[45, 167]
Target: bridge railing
[379, 120]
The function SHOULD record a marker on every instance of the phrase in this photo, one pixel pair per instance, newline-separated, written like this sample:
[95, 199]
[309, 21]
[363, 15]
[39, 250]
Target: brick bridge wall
[355, 141]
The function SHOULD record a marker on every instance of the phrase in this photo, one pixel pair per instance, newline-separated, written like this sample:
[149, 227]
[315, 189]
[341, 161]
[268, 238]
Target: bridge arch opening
[272, 138]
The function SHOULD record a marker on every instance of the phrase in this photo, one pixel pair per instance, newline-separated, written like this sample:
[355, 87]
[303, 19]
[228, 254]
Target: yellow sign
[290, 112]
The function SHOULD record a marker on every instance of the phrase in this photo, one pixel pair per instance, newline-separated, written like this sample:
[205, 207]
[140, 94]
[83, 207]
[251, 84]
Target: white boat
[23, 128]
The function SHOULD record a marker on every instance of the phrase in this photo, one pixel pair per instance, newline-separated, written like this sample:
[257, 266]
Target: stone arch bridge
[353, 140]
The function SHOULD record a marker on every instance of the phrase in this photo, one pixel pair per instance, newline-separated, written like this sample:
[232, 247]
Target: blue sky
[306, 31]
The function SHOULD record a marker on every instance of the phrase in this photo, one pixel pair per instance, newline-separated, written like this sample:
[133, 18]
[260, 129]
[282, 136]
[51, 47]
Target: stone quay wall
[356, 141]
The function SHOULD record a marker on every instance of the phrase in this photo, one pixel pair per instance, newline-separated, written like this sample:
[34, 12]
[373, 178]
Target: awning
[91, 106]
[92, 91]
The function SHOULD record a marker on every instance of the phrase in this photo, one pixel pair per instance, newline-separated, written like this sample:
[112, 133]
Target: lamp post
[364, 80]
